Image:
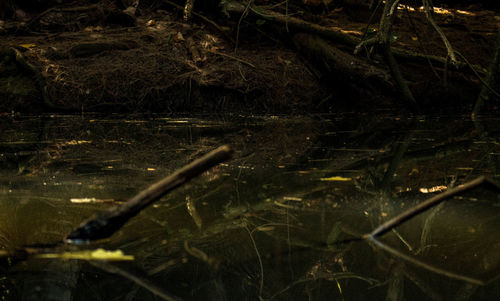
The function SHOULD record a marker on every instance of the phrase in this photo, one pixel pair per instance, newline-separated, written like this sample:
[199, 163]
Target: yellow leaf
[99, 254]
[414, 38]
[27, 46]
[336, 178]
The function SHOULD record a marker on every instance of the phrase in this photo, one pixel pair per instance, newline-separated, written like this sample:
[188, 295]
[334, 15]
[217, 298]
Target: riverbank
[93, 58]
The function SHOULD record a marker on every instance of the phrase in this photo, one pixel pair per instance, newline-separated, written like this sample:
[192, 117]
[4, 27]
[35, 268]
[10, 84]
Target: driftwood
[107, 222]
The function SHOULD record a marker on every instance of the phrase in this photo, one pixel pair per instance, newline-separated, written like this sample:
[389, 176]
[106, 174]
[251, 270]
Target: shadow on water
[274, 223]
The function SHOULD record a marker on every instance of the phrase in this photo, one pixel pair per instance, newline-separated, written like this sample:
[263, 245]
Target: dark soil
[92, 58]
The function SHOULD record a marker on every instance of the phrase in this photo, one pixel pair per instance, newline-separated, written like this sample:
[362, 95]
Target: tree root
[428, 15]
[489, 82]
[383, 40]
[205, 19]
[342, 63]
[336, 35]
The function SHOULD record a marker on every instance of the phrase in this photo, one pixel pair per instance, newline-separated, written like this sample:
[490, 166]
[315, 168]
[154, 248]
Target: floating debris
[99, 254]
[433, 189]
[90, 200]
[336, 178]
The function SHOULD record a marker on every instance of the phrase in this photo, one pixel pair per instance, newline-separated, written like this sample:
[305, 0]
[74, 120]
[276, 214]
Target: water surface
[280, 221]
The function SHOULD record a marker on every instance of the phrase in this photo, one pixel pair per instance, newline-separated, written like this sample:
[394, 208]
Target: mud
[93, 58]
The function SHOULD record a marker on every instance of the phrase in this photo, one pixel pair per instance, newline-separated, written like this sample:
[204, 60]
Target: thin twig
[403, 217]
[233, 58]
[155, 290]
[424, 51]
[219, 28]
[478, 77]
[261, 265]
[423, 264]
[243, 15]
[428, 15]
[327, 276]
[491, 78]
[368, 26]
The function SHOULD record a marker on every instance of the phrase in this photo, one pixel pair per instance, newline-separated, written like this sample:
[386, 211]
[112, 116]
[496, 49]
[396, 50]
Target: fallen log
[340, 36]
[107, 222]
[346, 66]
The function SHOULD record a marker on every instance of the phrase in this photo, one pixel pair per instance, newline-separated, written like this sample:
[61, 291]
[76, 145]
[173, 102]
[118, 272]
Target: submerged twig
[261, 265]
[155, 290]
[105, 223]
[327, 276]
[396, 161]
[423, 285]
[424, 265]
[403, 217]
[426, 229]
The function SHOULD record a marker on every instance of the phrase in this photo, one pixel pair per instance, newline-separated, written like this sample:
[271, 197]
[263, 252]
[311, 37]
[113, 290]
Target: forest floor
[93, 58]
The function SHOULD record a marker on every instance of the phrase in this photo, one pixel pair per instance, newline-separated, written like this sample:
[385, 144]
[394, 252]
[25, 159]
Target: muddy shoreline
[92, 58]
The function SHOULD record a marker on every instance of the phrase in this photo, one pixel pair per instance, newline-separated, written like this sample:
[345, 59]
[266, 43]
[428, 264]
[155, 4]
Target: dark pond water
[276, 222]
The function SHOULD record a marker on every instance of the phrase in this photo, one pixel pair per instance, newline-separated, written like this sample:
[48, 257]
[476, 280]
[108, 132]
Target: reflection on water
[274, 223]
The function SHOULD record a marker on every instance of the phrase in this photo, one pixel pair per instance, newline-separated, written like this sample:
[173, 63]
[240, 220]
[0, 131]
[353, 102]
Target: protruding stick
[107, 222]
[403, 217]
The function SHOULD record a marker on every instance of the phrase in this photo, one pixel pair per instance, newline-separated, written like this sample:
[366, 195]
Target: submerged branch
[141, 281]
[107, 222]
[424, 265]
[403, 217]
[326, 276]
